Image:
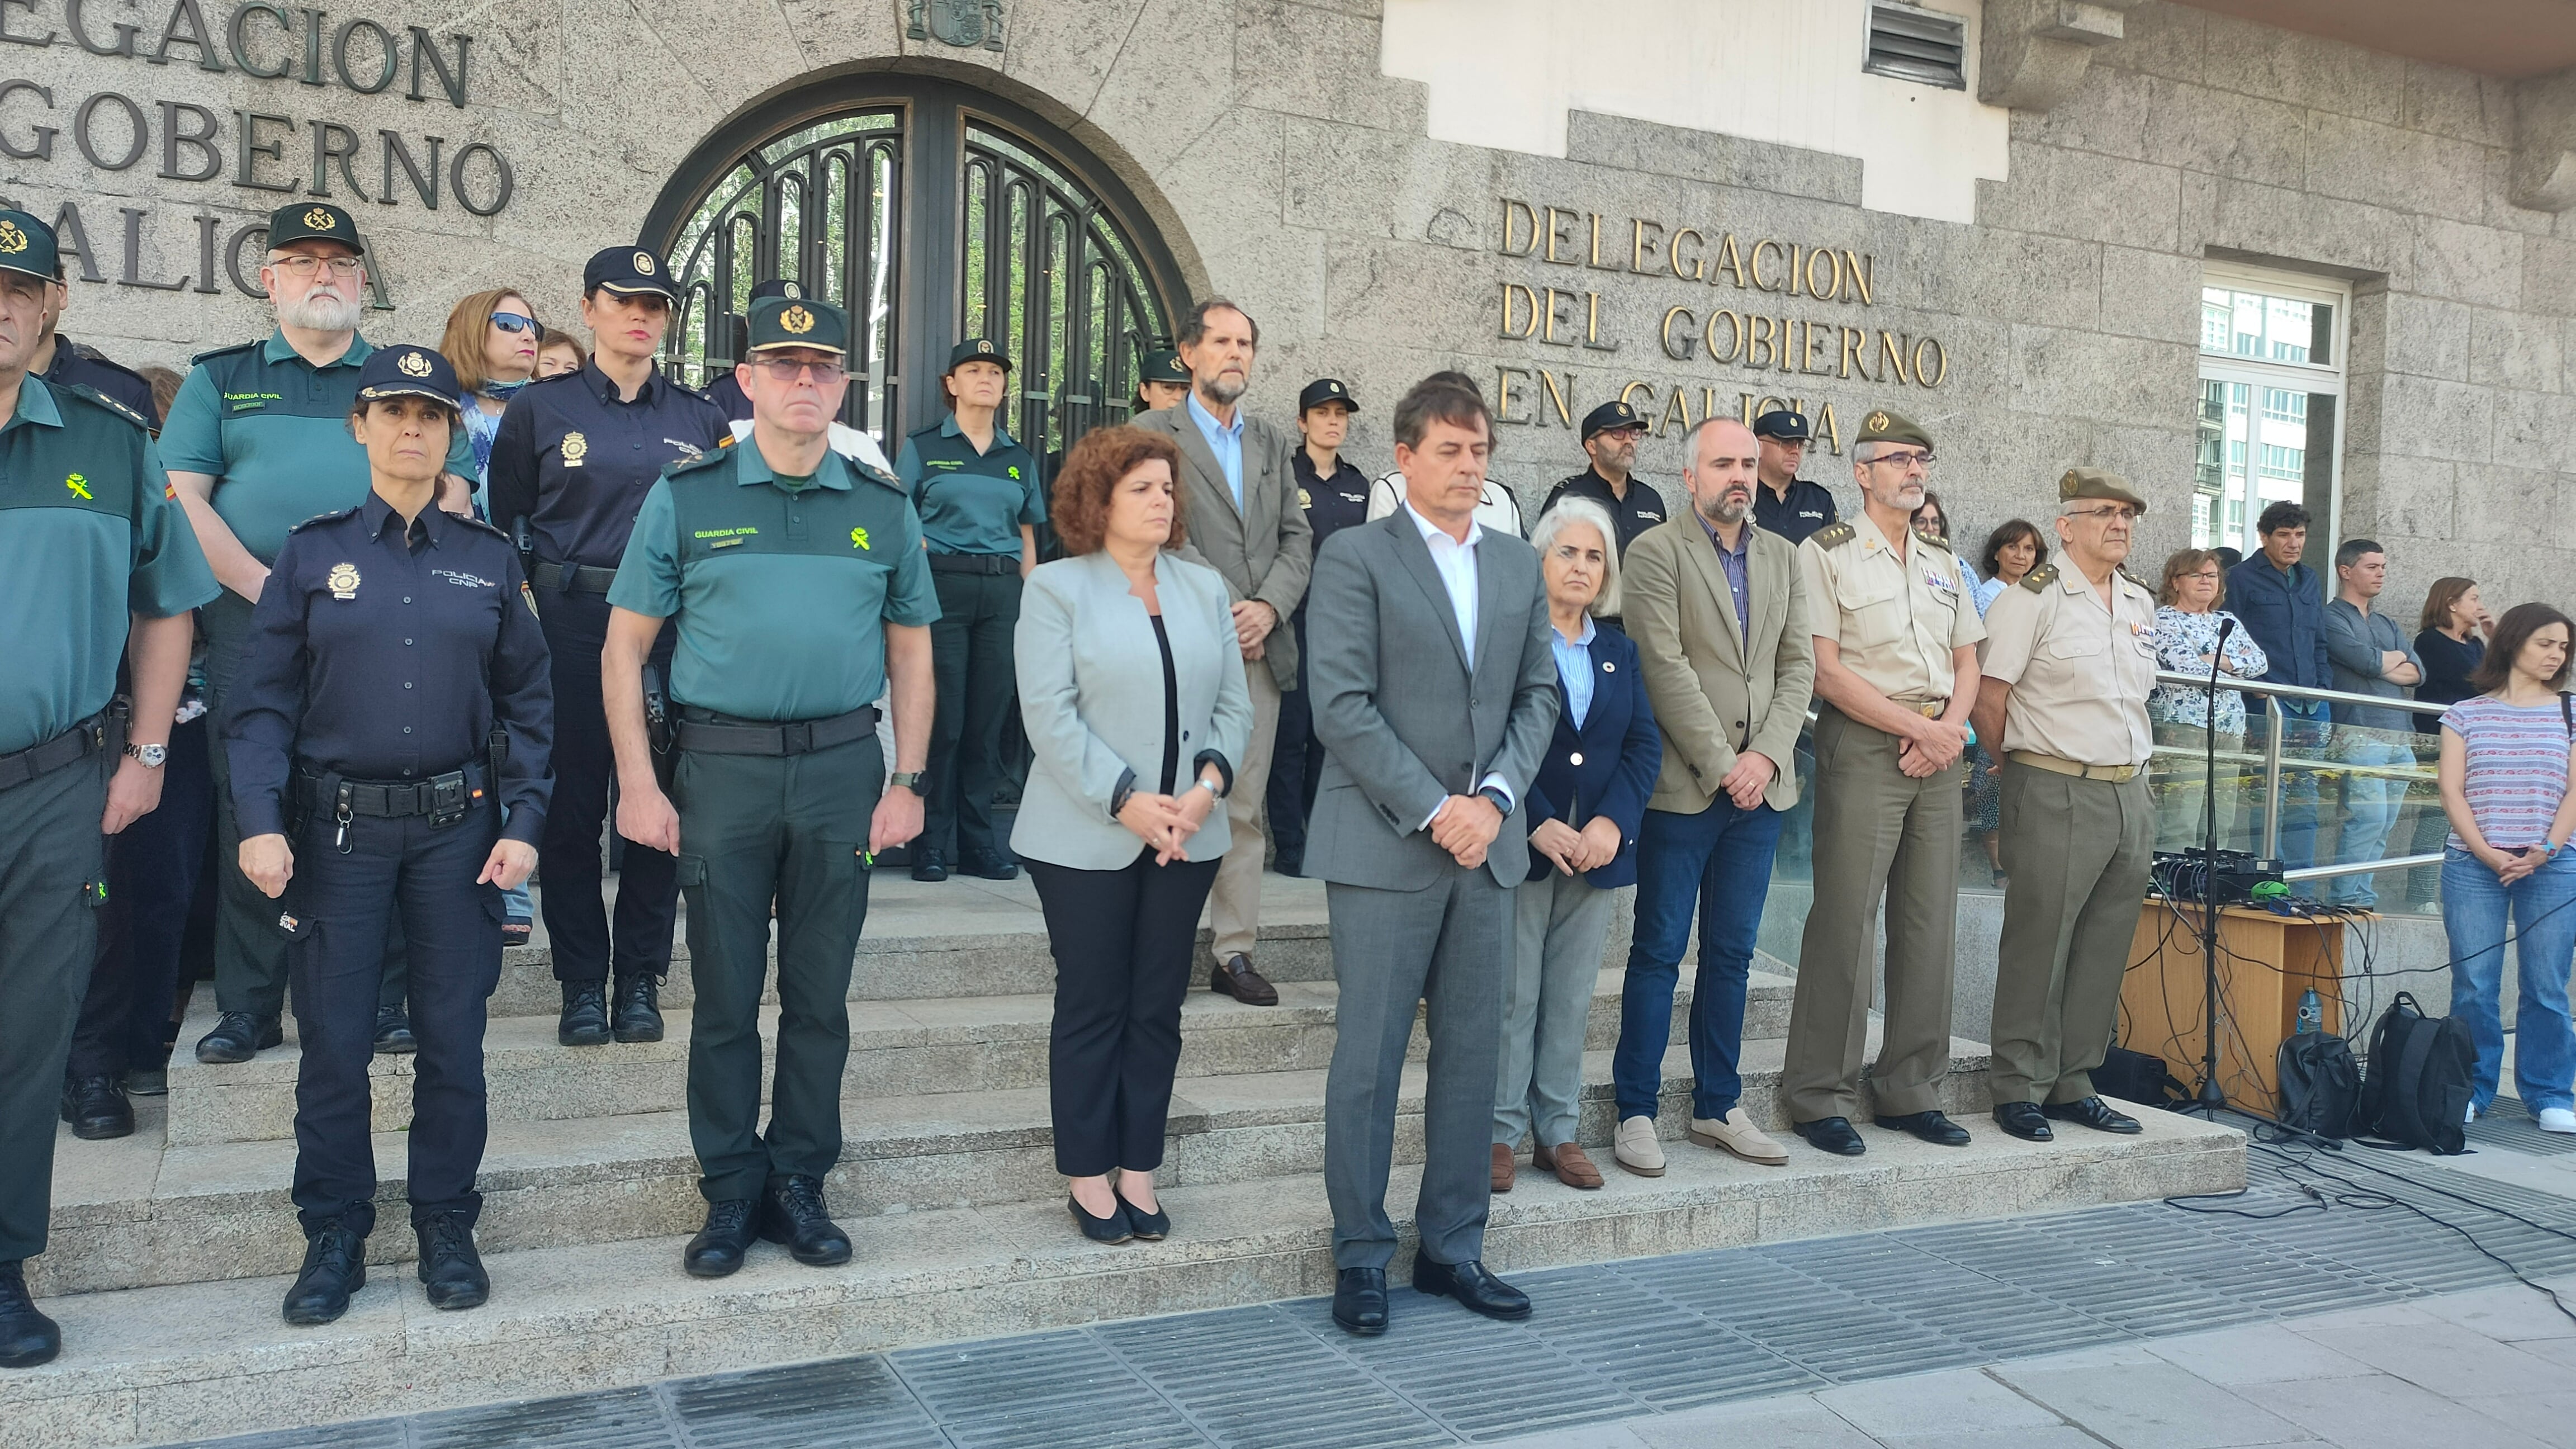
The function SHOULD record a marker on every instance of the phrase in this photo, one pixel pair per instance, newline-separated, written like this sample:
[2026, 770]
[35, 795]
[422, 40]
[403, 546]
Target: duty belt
[705, 732]
[974, 563]
[445, 798]
[2114, 774]
[572, 578]
[82, 740]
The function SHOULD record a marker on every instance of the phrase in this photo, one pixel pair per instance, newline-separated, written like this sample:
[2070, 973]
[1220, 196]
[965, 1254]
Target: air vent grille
[1917, 45]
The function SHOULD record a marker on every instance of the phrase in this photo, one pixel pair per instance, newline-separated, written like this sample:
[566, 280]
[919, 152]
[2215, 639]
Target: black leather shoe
[1832, 1134]
[718, 1248]
[2091, 1112]
[393, 1032]
[2024, 1120]
[990, 866]
[1359, 1301]
[335, 1266]
[238, 1036]
[1934, 1127]
[450, 1268]
[1289, 862]
[929, 865]
[639, 1009]
[585, 1015]
[1475, 1289]
[1114, 1228]
[1235, 977]
[97, 1109]
[792, 1212]
[27, 1338]
[1150, 1227]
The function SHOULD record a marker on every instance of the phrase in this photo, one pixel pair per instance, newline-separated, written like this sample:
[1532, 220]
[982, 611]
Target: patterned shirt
[2184, 642]
[2517, 768]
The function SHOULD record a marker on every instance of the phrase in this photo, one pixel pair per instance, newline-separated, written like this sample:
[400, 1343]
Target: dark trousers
[970, 657]
[758, 829]
[1124, 941]
[1719, 863]
[648, 886]
[156, 924]
[425, 876]
[1296, 762]
[52, 863]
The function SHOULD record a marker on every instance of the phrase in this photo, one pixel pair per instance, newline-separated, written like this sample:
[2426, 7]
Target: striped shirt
[2517, 768]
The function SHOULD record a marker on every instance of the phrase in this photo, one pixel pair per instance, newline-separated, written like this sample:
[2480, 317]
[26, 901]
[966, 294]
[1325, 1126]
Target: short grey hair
[1570, 510]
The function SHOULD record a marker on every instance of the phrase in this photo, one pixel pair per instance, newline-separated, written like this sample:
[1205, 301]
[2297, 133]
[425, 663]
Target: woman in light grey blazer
[1128, 667]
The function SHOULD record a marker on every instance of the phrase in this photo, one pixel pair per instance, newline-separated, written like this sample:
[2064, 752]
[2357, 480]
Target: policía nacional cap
[26, 245]
[1882, 426]
[1326, 390]
[313, 221]
[407, 370]
[778, 322]
[977, 349]
[787, 287]
[628, 272]
[2098, 483]
[1163, 365]
[1782, 425]
[1609, 417]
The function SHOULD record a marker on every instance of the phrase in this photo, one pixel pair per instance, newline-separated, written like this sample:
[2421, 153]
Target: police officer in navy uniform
[1610, 435]
[801, 594]
[726, 393]
[99, 563]
[1785, 503]
[394, 702]
[570, 465]
[1162, 380]
[1335, 495]
[63, 362]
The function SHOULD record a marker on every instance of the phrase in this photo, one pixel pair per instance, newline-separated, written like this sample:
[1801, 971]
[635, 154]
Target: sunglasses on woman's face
[514, 322]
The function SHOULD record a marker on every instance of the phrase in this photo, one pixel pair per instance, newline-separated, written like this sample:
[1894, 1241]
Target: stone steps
[152, 1364]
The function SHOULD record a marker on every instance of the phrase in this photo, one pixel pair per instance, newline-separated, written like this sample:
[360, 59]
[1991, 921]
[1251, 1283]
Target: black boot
[96, 1108]
[335, 1266]
[585, 1014]
[639, 1009]
[238, 1036]
[792, 1212]
[718, 1248]
[393, 1032]
[27, 1338]
[449, 1266]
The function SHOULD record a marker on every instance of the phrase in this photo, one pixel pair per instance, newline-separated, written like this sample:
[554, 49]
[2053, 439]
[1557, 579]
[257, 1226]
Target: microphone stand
[2210, 1098]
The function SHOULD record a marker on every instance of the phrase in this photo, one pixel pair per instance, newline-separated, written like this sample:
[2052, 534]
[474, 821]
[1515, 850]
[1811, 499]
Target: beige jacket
[1718, 691]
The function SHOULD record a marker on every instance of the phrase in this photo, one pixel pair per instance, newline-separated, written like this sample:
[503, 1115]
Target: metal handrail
[2296, 691]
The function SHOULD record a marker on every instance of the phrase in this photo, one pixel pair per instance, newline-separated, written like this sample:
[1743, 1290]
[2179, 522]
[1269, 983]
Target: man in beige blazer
[1718, 610]
[1240, 495]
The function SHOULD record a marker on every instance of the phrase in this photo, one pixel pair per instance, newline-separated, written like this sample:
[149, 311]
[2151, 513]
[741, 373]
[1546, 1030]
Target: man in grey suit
[1245, 522]
[1435, 695]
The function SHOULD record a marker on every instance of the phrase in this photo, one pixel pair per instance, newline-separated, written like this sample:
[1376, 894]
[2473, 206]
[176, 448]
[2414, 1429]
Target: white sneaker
[2557, 1119]
[2472, 1120]
[1636, 1147]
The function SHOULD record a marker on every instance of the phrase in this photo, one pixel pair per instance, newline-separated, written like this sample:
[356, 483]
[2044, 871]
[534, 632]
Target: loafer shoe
[1569, 1164]
[97, 1109]
[1934, 1127]
[1475, 1289]
[639, 1010]
[989, 865]
[1833, 1134]
[2024, 1120]
[393, 1033]
[929, 865]
[1735, 1133]
[1506, 1170]
[335, 1266]
[2101, 1116]
[28, 1337]
[718, 1248]
[584, 1021]
[239, 1036]
[1235, 977]
[1112, 1229]
[792, 1212]
[1359, 1301]
[450, 1268]
[1636, 1148]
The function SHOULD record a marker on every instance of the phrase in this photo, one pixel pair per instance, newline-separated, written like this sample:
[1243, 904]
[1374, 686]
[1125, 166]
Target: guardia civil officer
[63, 362]
[1335, 495]
[570, 465]
[1783, 502]
[1162, 381]
[726, 393]
[1896, 673]
[799, 584]
[98, 563]
[2070, 660]
[977, 492]
[1610, 436]
[257, 441]
[392, 703]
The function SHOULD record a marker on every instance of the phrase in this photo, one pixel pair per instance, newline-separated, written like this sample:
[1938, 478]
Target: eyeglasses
[1904, 460]
[2117, 511]
[305, 264]
[787, 369]
[515, 322]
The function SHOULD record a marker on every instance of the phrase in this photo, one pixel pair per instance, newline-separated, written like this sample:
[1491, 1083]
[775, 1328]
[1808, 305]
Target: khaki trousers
[1235, 909]
[2077, 852]
[1877, 832]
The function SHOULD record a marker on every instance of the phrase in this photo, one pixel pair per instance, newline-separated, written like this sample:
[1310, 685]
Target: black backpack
[2417, 1090]
[2320, 1084]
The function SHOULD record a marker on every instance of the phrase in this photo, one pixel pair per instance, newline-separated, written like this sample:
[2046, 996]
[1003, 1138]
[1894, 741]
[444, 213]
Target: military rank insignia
[342, 581]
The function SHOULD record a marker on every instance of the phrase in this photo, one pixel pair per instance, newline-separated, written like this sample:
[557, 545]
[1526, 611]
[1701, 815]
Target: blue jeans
[1718, 860]
[2543, 906]
[2369, 809]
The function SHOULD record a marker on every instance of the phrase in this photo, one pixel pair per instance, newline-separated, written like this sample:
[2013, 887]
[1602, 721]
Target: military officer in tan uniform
[1896, 669]
[2068, 665]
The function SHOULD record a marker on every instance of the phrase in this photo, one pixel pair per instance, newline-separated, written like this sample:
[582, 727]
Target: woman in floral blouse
[2187, 629]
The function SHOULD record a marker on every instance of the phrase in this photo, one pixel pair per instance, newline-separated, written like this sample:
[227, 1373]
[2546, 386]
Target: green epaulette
[2038, 579]
[212, 353]
[1833, 535]
[707, 459]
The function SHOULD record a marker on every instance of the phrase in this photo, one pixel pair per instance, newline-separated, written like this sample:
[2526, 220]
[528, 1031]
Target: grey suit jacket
[1264, 549]
[1717, 692]
[1406, 718]
[1091, 696]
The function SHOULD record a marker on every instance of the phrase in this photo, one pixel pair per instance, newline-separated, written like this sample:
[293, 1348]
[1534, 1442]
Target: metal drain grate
[2507, 1124]
[619, 1419]
[855, 1403]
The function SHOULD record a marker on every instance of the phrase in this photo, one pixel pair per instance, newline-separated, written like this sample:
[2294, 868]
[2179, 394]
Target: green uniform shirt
[273, 429]
[780, 595]
[970, 502]
[90, 536]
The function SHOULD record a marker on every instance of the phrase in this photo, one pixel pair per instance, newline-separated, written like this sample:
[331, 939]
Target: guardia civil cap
[978, 349]
[787, 287]
[26, 245]
[1609, 417]
[2098, 483]
[628, 272]
[407, 370]
[779, 322]
[1164, 365]
[313, 221]
[1782, 425]
[1326, 390]
[1882, 426]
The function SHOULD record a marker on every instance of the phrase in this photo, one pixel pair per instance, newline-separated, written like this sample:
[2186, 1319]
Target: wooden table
[2265, 963]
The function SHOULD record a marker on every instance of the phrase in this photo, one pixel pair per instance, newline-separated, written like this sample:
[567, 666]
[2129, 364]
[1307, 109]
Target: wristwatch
[908, 779]
[1500, 801]
[152, 756]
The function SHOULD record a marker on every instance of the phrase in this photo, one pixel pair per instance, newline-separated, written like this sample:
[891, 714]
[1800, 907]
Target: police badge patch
[342, 581]
[574, 447]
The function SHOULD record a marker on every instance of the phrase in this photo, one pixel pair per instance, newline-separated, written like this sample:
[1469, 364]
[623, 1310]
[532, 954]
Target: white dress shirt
[1457, 565]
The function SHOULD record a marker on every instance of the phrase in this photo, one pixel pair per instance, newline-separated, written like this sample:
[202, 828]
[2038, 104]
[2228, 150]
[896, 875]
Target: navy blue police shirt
[1808, 508]
[575, 460]
[388, 654]
[1332, 504]
[74, 363]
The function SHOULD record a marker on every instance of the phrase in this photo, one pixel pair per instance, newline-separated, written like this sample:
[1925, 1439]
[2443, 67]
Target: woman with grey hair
[1584, 808]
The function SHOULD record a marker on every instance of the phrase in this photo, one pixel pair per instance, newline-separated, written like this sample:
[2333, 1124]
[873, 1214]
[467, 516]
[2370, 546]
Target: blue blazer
[1621, 752]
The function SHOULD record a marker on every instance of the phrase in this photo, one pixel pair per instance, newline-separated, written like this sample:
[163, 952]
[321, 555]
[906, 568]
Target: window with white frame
[2271, 392]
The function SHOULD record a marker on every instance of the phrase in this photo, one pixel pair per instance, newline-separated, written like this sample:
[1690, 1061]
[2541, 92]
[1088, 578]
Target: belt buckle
[796, 737]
